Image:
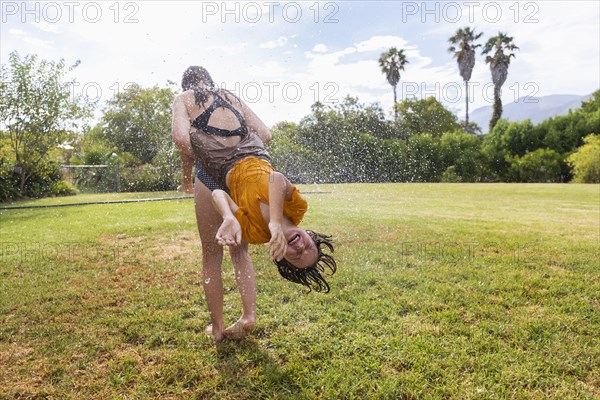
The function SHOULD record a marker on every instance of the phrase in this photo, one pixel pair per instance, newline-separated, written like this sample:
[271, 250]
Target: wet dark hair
[196, 74]
[311, 277]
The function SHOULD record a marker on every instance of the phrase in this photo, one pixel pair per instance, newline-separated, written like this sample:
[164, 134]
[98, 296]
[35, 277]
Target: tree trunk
[497, 108]
[395, 105]
[467, 104]
[22, 182]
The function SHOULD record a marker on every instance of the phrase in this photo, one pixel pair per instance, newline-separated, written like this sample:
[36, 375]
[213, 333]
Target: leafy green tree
[508, 140]
[8, 186]
[361, 155]
[298, 163]
[585, 162]
[541, 165]
[347, 142]
[472, 128]
[91, 148]
[391, 63]
[565, 133]
[461, 152]
[463, 49]
[334, 133]
[521, 137]
[37, 110]
[592, 105]
[138, 121]
[321, 129]
[425, 116]
[562, 134]
[493, 149]
[364, 118]
[423, 159]
[326, 125]
[502, 47]
[393, 161]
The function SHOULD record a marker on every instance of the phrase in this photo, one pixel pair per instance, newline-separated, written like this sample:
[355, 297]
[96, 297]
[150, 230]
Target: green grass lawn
[461, 291]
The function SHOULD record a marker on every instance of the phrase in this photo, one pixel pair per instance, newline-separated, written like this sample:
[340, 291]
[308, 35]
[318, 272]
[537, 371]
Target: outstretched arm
[230, 232]
[280, 189]
[181, 138]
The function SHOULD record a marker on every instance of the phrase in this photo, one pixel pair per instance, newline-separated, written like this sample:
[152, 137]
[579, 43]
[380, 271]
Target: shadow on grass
[251, 370]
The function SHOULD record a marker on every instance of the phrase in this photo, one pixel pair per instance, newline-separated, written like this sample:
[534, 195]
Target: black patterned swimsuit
[201, 122]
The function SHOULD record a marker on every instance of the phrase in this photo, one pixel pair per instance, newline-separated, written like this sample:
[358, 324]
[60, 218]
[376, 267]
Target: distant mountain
[536, 109]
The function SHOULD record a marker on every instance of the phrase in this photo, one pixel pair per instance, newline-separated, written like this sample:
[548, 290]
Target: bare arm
[280, 189]
[224, 203]
[254, 123]
[180, 130]
[230, 232]
[180, 127]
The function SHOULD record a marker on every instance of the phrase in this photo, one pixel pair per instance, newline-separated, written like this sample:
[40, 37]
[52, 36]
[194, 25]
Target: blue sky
[282, 56]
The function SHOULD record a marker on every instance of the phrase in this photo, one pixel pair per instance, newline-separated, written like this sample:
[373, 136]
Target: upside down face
[301, 250]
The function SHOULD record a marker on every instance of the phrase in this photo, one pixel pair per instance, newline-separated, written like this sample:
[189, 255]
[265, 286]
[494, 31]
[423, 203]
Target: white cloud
[29, 41]
[559, 53]
[558, 50]
[38, 43]
[270, 70]
[17, 32]
[377, 43]
[272, 44]
[355, 68]
[46, 27]
[320, 48]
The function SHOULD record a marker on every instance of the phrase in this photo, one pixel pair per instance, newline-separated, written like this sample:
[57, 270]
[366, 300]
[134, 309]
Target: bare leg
[246, 281]
[212, 257]
[209, 221]
[187, 164]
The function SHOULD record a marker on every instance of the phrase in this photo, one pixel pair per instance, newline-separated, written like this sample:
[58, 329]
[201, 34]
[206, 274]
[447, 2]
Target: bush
[393, 161]
[294, 161]
[146, 178]
[423, 159]
[8, 185]
[62, 188]
[585, 162]
[450, 175]
[46, 181]
[461, 151]
[8, 188]
[542, 165]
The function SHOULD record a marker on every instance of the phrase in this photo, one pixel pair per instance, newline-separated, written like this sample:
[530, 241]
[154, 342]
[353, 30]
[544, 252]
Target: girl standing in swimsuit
[255, 203]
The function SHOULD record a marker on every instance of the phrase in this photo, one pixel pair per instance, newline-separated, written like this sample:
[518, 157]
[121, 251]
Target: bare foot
[218, 337]
[209, 332]
[229, 233]
[239, 330]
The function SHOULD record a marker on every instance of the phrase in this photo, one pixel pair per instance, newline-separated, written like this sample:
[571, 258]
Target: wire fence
[92, 178]
[117, 178]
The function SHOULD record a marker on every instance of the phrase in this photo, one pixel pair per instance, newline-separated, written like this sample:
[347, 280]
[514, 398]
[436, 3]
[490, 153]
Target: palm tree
[465, 57]
[503, 48]
[391, 63]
